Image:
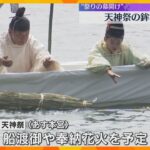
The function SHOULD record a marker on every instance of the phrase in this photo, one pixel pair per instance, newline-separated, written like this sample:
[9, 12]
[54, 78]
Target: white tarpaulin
[132, 88]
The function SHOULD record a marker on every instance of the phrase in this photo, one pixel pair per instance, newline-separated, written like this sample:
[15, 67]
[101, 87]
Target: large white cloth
[26, 58]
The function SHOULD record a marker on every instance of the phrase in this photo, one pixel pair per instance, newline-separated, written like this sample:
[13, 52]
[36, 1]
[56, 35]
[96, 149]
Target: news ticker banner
[102, 13]
[14, 133]
[75, 1]
[74, 148]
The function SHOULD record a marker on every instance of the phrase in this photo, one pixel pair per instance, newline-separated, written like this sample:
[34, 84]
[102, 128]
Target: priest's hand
[113, 75]
[6, 62]
[47, 62]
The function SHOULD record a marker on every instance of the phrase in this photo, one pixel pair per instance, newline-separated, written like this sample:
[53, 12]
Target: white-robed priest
[21, 52]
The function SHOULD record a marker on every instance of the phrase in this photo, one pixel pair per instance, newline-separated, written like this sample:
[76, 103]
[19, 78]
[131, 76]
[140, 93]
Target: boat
[95, 90]
[76, 87]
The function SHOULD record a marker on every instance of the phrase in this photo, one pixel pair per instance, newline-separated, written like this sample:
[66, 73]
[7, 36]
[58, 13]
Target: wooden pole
[50, 28]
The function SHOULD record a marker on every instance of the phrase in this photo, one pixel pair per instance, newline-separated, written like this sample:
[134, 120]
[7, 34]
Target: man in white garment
[21, 52]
